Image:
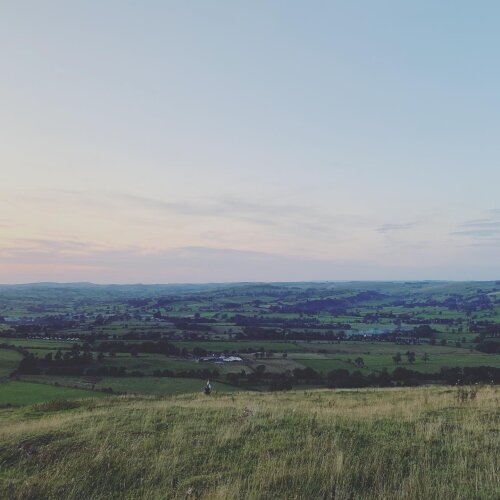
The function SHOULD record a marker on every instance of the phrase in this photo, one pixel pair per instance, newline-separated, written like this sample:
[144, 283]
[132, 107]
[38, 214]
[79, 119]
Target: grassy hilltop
[428, 442]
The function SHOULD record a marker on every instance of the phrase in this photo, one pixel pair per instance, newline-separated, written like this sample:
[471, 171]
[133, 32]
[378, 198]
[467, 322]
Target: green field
[26, 393]
[426, 443]
[41, 344]
[161, 386]
[9, 361]
[379, 356]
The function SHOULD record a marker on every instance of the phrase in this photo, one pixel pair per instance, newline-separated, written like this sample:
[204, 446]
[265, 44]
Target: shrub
[56, 405]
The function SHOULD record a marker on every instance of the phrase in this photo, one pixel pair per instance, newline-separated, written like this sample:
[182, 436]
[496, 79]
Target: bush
[280, 385]
[56, 405]
[489, 347]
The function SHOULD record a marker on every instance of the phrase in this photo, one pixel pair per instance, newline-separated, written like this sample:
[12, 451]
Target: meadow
[377, 356]
[427, 442]
[122, 385]
[9, 361]
[20, 393]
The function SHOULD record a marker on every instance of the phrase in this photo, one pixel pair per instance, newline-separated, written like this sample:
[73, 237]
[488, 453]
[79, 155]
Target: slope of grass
[376, 443]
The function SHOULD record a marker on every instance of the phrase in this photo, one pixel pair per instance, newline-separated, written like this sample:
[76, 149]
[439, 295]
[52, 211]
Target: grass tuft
[56, 405]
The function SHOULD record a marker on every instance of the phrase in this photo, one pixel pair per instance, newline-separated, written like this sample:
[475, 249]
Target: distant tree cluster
[342, 378]
[203, 374]
[160, 347]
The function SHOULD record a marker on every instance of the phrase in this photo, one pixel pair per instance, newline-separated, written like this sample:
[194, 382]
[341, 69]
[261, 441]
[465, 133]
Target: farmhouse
[219, 359]
[232, 359]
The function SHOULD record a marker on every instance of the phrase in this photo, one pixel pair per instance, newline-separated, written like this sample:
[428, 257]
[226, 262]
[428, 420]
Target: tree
[282, 383]
[310, 374]
[425, 357]
[443, 342]
[260, 369]
[28, 365]
[199, 351]
[411, 357]
[99, 320]
[359, 362]
[397, 358]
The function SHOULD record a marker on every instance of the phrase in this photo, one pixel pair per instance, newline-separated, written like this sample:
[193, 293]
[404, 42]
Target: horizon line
[188, 283]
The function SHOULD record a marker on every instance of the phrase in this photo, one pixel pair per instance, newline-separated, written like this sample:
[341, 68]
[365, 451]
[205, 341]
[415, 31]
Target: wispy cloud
[256, 212]
[45, 247]
[259, 212]
[389, 228]
[487, 228]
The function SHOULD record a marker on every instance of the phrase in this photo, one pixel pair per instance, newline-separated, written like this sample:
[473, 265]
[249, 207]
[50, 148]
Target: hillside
[427, 442]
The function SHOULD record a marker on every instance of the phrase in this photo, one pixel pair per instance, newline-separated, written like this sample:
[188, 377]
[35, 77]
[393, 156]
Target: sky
[173, 141]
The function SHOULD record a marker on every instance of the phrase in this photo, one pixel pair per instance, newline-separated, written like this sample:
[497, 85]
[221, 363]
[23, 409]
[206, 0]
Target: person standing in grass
[208, 388]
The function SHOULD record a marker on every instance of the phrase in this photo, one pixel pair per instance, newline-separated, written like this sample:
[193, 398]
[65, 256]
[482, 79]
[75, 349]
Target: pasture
[19, 393]
[9, 361]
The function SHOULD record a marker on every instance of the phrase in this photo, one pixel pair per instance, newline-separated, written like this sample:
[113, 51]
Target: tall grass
[421, 443]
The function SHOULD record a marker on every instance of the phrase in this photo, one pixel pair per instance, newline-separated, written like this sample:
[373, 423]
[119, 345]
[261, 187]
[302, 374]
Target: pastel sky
[174, 141]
